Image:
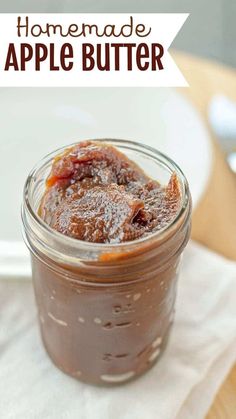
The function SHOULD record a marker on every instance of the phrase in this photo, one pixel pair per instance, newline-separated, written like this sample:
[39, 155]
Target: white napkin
[182, 385]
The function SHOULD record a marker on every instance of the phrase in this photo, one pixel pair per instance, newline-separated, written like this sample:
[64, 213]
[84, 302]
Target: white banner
[89, 49]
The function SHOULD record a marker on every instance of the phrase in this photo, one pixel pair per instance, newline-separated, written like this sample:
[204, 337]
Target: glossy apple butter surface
[95, 193]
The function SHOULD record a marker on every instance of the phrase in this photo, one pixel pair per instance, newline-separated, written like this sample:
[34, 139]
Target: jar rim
[155, 154]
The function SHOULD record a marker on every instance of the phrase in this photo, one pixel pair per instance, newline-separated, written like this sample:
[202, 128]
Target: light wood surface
[214, 220]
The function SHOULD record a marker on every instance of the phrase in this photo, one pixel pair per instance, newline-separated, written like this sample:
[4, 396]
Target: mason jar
[106, 310]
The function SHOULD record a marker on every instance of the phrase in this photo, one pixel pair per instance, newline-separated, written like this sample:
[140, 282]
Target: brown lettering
[140, 55]
[157, 54]
[87, 57]
[128, 26]
[53, 67]
[85, 29]
[25, 26]
[140, 28]
[38, 31]
[11, 60]
[129, 55]
[66, 53]
[54, 31]
[90, 30]
[26, 53]
[41, 53]
[109, 30]
[106, 65]
[72, 30]
[117, 55]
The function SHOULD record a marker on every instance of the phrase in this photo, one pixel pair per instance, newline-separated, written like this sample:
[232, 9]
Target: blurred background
[210, 30]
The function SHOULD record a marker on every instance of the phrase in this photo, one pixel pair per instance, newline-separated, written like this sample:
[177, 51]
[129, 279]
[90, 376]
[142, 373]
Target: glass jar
[106, 310]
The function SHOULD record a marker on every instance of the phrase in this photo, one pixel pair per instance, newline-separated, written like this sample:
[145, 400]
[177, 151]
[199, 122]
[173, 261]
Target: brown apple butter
[95, 193]
[106, 240]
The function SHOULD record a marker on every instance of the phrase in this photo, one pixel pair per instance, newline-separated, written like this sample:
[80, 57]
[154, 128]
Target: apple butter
[106, 222]
[95, 193]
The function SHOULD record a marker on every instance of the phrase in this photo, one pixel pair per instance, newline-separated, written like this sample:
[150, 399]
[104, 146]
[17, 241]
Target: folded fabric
[182, 385]
[14, 260]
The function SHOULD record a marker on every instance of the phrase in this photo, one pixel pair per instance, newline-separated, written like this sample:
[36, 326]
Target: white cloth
[182, 385]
